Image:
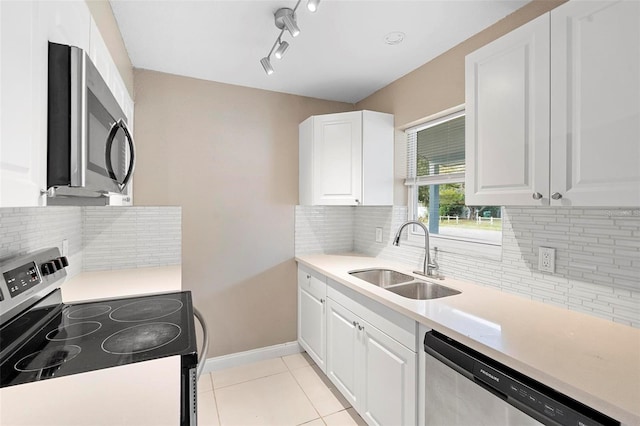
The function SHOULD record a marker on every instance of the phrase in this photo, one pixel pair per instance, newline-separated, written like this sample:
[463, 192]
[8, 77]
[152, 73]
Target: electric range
[42, 338]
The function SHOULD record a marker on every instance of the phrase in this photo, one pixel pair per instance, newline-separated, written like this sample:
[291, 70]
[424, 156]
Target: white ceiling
[339, 55]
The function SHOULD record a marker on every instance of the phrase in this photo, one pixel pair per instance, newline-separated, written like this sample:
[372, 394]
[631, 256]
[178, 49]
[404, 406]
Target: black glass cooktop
[91, 336]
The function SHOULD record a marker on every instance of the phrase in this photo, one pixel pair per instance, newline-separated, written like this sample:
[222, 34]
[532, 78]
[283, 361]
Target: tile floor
[290, 390]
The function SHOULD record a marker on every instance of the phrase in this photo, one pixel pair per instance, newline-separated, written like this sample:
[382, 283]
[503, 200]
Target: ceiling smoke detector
[393, 38]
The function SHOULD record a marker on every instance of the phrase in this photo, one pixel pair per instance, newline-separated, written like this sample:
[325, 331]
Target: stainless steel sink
[422, 290]
[403, 285]
[382, 277]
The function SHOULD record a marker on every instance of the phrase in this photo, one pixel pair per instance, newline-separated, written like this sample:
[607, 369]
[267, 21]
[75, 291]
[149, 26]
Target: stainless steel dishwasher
[465, 387]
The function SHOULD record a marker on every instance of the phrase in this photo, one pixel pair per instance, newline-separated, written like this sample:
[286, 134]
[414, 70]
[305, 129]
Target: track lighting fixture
[281, 49]
[285, 20]
[266, 64]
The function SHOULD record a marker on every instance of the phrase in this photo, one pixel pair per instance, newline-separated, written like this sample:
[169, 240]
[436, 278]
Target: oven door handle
[205, 343]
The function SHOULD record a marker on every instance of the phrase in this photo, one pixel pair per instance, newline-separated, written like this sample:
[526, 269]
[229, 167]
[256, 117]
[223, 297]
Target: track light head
[312, 5]
[266, 64]
[286, 18]
[282, 47]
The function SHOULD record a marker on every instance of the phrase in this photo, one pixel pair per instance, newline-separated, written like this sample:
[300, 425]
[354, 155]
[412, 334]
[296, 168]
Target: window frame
[415, 235]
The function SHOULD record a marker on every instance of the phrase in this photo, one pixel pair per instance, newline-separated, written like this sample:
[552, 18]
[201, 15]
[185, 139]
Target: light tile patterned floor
[282, 391]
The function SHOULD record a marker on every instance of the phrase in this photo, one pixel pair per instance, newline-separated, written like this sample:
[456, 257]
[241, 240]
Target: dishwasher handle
[205, 344]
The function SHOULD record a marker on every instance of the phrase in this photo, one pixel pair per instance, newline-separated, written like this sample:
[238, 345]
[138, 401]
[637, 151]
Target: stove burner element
[145, 310]
[141, 338]
[89, 312]
[47, 358]
[73, 331]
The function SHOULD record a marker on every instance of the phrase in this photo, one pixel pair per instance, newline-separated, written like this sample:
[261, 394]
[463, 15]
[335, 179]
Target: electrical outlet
[547, 259]
[65, 247]
[378, 235]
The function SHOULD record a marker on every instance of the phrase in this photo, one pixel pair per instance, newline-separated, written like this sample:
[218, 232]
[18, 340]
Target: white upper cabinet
[553, 110]
[507, 118]
[23, 124]
[66, 22]
[595, 103]
[347, 159]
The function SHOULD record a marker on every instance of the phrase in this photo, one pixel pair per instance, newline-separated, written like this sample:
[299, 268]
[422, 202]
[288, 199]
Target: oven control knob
[57, 263]
[47, 268]
[64, 260]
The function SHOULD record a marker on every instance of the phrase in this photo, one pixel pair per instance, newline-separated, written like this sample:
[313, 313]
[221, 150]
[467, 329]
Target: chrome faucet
[429, 266]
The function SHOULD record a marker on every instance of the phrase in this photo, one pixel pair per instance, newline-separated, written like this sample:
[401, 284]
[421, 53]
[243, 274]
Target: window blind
[435, 151]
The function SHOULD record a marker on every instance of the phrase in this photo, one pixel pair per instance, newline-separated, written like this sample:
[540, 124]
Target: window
[435, 179]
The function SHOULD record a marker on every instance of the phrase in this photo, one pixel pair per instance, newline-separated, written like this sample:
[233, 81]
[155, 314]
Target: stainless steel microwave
[90, 150]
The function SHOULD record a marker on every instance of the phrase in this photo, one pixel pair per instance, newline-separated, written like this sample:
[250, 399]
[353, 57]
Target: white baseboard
[254, 355]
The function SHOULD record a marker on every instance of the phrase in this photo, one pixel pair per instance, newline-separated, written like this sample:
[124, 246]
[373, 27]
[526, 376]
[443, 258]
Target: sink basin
[422, 290]
[382, 277]
[403, 285]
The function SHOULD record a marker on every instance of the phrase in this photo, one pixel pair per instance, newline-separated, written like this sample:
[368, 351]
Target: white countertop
[592, 360]
[133, 394]
[121, 283]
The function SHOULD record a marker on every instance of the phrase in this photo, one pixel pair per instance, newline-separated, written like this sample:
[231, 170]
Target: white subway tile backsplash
[27, 229]
[131, 237]
[99, 237]
[597, 253]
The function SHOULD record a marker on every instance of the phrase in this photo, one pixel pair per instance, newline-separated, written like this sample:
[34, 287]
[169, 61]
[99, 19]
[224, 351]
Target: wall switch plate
[65, 247]
[547, 259]
[378, 235]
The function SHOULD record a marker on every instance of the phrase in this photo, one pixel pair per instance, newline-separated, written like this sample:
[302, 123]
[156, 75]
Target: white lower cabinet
[374, 372]
[312, 296]
[344, 351]
[367, 350]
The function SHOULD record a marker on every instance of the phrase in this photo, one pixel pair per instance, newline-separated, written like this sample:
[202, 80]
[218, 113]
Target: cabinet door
[312, 325]
[507, 118]
[388, 379]
[343, 348]
[22, 124]
[377, 159]
[337, 159]
[595, 103]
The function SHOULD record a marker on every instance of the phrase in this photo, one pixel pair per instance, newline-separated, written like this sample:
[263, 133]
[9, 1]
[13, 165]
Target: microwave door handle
[120, 124]
[132, 151]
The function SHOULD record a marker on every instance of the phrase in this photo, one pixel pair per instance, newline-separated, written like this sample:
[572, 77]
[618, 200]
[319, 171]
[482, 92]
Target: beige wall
[229, 156]
[439, 84]
[106, 22]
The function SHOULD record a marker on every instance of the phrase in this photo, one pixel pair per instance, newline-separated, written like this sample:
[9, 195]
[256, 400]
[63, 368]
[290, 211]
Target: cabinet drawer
[312, 282]
[392, 323]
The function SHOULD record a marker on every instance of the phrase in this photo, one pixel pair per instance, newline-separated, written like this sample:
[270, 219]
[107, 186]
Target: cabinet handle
[357, 201]
[537, 195]
[556, 195]
[355, 324]
[308, 276]
[360, 327]
[321, 300]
